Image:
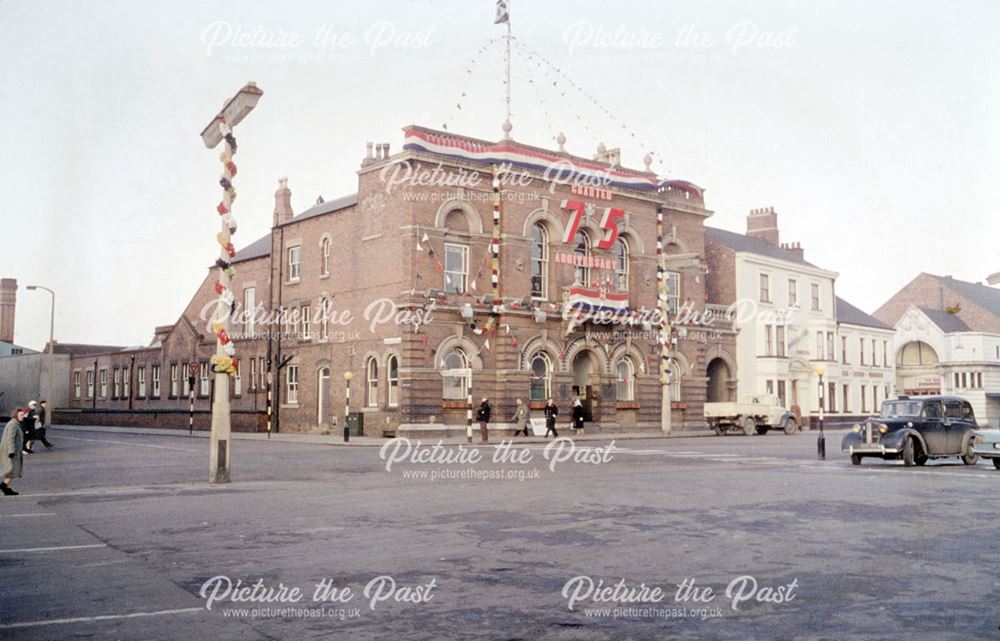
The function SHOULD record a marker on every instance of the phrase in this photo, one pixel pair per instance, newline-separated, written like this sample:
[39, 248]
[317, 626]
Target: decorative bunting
[222, 361]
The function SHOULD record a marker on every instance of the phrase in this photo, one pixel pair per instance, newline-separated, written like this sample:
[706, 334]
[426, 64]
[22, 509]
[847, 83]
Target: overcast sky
[871, 127]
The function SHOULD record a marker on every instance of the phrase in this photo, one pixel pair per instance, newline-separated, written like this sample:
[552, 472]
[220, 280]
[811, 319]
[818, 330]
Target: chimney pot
[283, 203]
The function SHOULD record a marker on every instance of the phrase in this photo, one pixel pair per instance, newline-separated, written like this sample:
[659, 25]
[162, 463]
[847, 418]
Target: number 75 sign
[608, 223]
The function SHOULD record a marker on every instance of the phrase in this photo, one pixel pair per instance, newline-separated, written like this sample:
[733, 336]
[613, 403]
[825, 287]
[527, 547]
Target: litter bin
[356, 423]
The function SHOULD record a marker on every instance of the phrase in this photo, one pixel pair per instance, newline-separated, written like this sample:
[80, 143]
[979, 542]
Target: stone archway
[586, 371]
[721, 386]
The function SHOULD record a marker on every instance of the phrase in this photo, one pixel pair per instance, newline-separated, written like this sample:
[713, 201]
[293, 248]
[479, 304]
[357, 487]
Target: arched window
[582, 250]
[625, 382]
[325, 264]
[392, 367]
[539, 261]
[371, 390]
[541, 377]
[455, 386]
[675, 381]
[324, 321]
[621, 264]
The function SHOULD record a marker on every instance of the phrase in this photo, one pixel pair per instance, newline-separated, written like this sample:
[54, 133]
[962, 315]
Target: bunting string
[223, 362]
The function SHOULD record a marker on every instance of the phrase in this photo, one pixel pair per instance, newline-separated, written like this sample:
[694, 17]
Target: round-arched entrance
[720, 388]
[918, 369]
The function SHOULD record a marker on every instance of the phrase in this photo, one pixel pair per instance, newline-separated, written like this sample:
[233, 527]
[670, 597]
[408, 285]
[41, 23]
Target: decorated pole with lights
[224, 363]
[661, 293]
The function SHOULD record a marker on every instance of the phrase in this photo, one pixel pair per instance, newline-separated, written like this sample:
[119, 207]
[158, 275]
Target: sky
[871, 127]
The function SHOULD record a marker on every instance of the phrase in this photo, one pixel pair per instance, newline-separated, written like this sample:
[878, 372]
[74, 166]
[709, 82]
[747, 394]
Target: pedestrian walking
[577, 416]
[28, 425]
[521, 418]
[483, 416]
[551, 412]
[11, 444]
[40, 424]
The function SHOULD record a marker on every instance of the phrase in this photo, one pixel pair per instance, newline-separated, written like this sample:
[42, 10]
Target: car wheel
[762, 429]
[790, 426]
[920, 458]
[970, 459]
[855, 459]
[909, 454]
[719, 431]
[996, 463]
[749, 426]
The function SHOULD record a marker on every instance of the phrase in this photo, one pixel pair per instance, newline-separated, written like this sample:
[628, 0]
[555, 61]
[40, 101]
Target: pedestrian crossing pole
[665, 339]
[468, 410]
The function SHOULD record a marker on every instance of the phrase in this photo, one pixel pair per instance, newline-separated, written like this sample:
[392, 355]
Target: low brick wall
[242, 420]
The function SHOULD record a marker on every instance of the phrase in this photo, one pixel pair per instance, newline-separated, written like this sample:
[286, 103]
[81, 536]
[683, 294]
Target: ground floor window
[292, 384]
[392, 368]
[455, 386]
[541, 377]
[626, 380]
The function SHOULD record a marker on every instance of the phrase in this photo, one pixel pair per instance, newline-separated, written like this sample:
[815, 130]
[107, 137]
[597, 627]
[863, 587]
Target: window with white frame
[253, 374]
[141, 374]
[673, 293]
[861, 350]
[371, 380]
[104, 383]
[186, 378]
[325, 257]
[262, 368]
[454, 386]
[306, 312]
[539, 261]
[154, 372]
[625, 383]
[541, 377]
[815, 297]
[621, 264]
[768, 341]
[779, 339]
[829, 346]
[116, 383]
[127, 382]
[581, 253]
[90, 383]
[885, 353]
[173, 379]
[456, 268]
[237, 379]
[765, 288]
[675, 381]
[392, 377]
[793, 292]
[76, 384]
[249, 304]
[204, 379]
[294, 263]
[292, 384]
[324, 321]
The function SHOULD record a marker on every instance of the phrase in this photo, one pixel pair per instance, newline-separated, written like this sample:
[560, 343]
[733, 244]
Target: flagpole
[508, 61]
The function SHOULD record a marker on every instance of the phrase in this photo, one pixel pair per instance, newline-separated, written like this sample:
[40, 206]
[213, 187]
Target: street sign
[193, 369]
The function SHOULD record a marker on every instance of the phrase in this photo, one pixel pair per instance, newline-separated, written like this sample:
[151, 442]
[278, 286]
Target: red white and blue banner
[558, 167]
[594, 299]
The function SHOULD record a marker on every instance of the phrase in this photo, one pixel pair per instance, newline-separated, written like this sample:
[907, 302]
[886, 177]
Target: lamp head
[348, 376]
[821, 369]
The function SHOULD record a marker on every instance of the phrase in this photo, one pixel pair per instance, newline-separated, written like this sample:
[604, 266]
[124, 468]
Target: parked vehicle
[986, 443]
[915, 430]
[760, 414]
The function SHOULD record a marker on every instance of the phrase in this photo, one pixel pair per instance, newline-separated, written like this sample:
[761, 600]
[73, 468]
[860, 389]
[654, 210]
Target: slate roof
[744, 243]
[982, 295]
[847, 313]
[948, 323]
[82, 349]
[262, 246]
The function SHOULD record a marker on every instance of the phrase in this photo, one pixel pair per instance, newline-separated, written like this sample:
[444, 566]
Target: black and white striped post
[347, 406]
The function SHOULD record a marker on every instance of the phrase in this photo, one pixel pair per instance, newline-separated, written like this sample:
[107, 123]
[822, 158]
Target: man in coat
[483, 416]
[577, 415]
[11, 443]
[551, 412]
[521, 418]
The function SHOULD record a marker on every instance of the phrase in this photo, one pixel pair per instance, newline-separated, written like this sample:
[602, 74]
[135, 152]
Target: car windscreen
[893, 409]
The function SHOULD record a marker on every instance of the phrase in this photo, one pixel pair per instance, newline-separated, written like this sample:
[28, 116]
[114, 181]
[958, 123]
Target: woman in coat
[11, 444]
[577, 415]
[521, 418]
[483, 416]
[551, 412]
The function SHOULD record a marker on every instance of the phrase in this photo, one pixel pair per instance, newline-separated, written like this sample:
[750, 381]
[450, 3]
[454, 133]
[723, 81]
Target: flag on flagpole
[502, 15]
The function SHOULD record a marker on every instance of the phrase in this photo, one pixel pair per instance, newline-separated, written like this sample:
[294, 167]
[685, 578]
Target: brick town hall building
[396, 283]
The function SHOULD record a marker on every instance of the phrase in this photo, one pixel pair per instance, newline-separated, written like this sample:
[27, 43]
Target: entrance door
[583, 373]
[323, 397]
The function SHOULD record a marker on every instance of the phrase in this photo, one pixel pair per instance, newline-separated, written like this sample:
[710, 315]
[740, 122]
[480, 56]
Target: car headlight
[909, 424]
[882, 429]
[997, 445]
[856, 428]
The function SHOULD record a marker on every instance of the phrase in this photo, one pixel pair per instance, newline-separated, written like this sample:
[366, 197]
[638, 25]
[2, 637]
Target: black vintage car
[915, 429]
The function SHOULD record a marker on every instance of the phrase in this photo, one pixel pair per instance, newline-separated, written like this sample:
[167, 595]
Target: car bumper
[986, 450]
[875, 448]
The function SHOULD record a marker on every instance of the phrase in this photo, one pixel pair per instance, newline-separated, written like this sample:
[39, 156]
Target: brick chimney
[8, 299]
[795, 248]
[282, 203]
[763, 223]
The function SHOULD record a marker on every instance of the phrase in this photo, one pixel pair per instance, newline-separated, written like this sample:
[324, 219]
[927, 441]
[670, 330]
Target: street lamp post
[347, 406]
[821, 439]
[220, 130]
[52, 328]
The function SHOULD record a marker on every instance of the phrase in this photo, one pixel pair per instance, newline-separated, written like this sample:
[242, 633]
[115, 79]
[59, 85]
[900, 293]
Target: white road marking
[100, 440]
[55, 549]
[103, 617]
[14, 516]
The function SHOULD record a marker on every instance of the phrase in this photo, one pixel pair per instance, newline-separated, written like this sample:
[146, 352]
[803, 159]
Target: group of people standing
[522, 417]
[26, 425]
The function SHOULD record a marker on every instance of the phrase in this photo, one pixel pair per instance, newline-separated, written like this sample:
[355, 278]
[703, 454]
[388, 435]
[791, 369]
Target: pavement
[117, 535]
